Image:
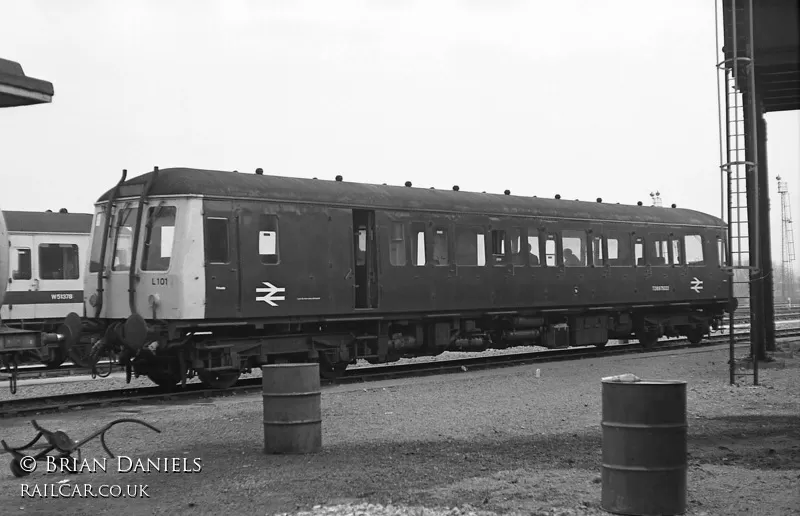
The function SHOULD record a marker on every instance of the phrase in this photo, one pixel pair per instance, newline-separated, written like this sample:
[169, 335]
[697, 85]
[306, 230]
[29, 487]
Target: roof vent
[674, 206]
[455, 188]
[63, 210]
[49, 211]
[507, 192]
[599, 199]
[235, 171]
[408, 184]
[339, 178]
[558, 196]
[260, 171]
[639, 203]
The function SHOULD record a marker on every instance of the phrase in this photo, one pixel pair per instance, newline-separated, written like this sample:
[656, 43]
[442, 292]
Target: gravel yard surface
[483, 442]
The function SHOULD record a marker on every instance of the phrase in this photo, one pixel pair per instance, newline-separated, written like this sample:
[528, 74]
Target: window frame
[533, 232]
[116, 233]
[227, 240]
[75, 248]
[393, 241]
[147, 245]
[702, 249]
[12, 271]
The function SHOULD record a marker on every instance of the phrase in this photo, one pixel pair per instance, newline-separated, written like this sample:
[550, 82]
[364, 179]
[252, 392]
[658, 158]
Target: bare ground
[498, 441]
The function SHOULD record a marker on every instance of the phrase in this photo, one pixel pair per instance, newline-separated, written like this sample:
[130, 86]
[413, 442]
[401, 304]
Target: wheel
[331, 370]
[695, 335]
[647, 339]
[219, 379]
[80, 355]
[53, 358]
[164, 378]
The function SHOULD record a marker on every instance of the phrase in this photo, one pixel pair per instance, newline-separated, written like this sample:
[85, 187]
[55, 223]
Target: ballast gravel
[479, 442]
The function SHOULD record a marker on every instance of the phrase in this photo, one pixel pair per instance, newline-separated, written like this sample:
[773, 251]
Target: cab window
[159, 232]
[97, 242]
[123, 238]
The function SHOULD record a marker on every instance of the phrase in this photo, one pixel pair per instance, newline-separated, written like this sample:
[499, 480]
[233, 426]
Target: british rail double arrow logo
[697, 285]
[270, 293]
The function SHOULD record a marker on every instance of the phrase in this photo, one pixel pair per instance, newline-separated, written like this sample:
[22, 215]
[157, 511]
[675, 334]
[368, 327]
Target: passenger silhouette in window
[570, 260]
[534, 258]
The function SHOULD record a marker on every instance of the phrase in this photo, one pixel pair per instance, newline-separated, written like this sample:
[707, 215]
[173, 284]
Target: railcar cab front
[145, 263]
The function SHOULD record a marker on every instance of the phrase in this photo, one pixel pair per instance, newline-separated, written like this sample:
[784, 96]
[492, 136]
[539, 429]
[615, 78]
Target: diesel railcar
[212, 273]
[46, 256]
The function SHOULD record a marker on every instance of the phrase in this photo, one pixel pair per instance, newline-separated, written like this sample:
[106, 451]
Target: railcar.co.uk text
[120, 464]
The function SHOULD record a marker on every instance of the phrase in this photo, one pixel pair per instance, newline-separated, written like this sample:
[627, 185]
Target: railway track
[20, 407]
[38, 371]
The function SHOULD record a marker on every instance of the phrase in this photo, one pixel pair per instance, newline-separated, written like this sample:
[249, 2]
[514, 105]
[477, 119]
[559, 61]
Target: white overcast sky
[584, 98]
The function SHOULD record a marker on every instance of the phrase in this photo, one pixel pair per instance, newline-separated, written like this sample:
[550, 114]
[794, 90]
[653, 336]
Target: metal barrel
[644, 447]
[292, 414]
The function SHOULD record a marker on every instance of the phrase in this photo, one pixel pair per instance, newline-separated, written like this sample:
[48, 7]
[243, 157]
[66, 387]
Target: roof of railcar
[223, 184]
[48, 222]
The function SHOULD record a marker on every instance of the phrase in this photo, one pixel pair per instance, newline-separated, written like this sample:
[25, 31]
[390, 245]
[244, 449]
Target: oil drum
[644, 447]
[292, 413]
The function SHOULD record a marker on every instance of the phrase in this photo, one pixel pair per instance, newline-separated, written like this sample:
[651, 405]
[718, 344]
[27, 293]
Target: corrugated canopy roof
[16, 89]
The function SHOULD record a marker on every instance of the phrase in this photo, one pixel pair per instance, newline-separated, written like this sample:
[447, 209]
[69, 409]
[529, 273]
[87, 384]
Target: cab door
[222, 265]
[22, 288]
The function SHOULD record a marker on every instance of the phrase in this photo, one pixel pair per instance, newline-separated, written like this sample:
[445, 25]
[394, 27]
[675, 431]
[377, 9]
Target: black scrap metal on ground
[60, 441]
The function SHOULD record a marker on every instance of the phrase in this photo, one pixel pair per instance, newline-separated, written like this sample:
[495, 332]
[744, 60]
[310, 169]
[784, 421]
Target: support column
[768, 284]
[757, 336]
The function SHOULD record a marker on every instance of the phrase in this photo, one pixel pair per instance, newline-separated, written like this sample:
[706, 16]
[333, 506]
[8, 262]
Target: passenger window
[97, 242]
[639, 250]
[619, 250]
[533, 247]
[550, 251]
[441, 251]
[268, 239]
[573, 245]
[597, 250]
[217, 243]
[397, 244]
[676, 255]
[21, 264]
[693, 247]
[498, 246]
[58, 262]
[418, 244]
[515, 240]
[470, 246]
[158, 238]
[361, 246]
[722, 254]
[658, 254]
[123, 239]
